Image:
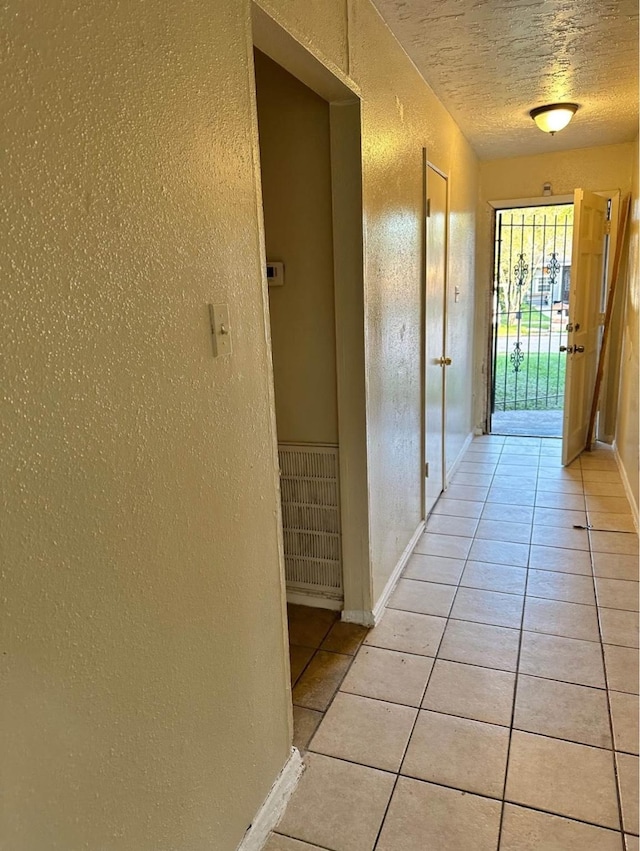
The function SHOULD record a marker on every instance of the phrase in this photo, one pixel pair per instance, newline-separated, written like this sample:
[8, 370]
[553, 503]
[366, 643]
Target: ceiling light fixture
[554, 116]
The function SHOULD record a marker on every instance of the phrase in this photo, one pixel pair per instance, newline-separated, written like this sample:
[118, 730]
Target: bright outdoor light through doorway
[530, 312]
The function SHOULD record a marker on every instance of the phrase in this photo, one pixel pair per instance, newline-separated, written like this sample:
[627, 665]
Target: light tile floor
[321, 650]
[495, 705]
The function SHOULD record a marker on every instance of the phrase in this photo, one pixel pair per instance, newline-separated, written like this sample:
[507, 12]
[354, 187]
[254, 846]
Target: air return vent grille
[310, 492]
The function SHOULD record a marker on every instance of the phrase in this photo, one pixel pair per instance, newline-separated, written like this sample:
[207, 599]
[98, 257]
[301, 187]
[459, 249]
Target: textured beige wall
[293, 123]
[322, 26]
[145, 694]
[400, 115]
[598, 169]
[146, 701]
[627, 439]
[606, 167]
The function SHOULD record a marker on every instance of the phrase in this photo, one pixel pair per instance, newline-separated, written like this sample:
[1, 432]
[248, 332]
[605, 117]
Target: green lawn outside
[520, 393]
[533, 321]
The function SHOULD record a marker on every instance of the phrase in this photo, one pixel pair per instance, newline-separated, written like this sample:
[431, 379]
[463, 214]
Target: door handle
[570, 350]
[443, 361]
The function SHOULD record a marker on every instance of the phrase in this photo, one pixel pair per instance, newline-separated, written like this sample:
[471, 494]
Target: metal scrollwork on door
[521, 270]
[517, 356]
[553, 267]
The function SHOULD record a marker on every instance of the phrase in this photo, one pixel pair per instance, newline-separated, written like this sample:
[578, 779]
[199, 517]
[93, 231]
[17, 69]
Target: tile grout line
[337, 691]
[510, 593]
[515, 687]
[315, 650]
[413, 726]
[606, 683]
[482, 795]
[599, 640]
[311, 845]
[479, 721]
[435, 659]
[474, 538]
[607, 692]
[342, 679]
[448, 619]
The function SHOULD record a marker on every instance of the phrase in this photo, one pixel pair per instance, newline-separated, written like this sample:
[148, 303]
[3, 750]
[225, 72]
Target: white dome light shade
[553, 117]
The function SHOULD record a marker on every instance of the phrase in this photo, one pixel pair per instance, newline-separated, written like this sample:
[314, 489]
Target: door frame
[426, 165]
[271, 37]
[514, 203]
[612, 195]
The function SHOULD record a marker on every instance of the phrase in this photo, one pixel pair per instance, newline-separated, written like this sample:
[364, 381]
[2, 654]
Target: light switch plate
[220, 329]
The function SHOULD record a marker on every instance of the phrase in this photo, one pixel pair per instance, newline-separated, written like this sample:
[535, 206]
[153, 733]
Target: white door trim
[545, 201]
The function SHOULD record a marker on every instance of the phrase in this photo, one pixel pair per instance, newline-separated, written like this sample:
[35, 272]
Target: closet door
[435, 324]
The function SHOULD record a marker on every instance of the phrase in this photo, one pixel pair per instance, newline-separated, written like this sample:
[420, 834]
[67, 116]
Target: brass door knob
[572, 350]
[444, 361]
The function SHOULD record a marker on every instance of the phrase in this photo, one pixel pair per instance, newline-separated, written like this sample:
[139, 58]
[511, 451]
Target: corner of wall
[627, 436]
[274, 804]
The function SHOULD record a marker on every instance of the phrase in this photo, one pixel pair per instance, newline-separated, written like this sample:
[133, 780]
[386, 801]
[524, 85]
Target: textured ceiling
[491, 61]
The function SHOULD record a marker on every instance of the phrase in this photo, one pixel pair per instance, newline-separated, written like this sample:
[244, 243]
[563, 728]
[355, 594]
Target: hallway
[495, 704]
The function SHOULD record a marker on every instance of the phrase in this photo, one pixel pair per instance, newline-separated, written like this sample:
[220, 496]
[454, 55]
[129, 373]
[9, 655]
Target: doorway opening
[532, 273]
[293, 127]
[309, 178]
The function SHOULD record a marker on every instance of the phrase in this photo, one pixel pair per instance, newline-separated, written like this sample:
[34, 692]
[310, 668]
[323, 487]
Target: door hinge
[426, 470]
[607, 227]
[428, 208]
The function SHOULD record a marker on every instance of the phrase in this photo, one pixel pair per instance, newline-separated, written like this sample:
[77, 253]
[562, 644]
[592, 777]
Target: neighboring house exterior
[545, 292]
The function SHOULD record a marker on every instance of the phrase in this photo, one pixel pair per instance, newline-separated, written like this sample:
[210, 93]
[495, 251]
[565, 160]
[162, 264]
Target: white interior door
[587, 271]
[435, 302]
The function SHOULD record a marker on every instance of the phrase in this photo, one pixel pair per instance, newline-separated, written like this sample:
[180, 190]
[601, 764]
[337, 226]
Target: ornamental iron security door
[530, 307]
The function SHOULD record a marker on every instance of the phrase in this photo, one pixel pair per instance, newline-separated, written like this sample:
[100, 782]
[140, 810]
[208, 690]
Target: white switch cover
[220, 329]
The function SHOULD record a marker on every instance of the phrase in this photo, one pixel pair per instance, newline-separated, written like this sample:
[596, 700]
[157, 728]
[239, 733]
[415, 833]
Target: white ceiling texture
[491, 61]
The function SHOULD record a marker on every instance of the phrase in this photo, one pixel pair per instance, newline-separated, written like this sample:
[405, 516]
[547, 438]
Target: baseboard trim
[274, 804]
[627, 486]
[358, 616]
[299, 598]
[452, 469]
[378, 609]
